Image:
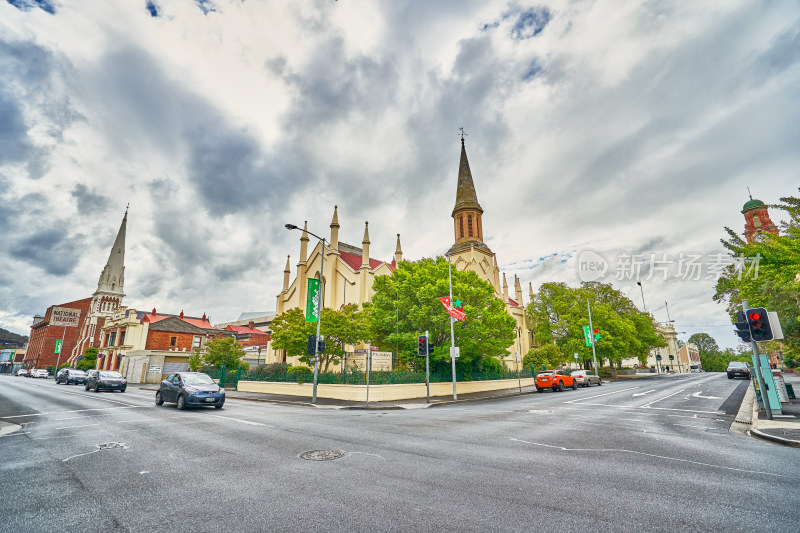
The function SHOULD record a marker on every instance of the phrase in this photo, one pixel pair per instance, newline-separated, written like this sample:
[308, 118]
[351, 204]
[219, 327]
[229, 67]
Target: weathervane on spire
[749, 193]
[463, 135]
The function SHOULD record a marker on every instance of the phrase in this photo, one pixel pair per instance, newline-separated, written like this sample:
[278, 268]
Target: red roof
[199, 322]
[245, 329]
[354, 261]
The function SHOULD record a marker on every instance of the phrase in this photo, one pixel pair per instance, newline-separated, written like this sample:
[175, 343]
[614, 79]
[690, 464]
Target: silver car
[586, 378]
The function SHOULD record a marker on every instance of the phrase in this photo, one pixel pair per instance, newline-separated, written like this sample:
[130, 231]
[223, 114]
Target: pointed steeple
[365, 247]
[530, 291]
[505, 288]
[335, 229]
[304, 244]
[286, 273]
[112, 279]
[398, 252]
[466, 198]
[517, 290]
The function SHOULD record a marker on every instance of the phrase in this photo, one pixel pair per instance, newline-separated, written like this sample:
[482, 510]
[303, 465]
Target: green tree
[767, 274]
[710, 355]
[406, 304]
[290, 332]
[224, 351]
[195, 361]
[547, 356]
[89, 360]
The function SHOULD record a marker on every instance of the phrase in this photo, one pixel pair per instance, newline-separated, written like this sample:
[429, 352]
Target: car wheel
[217, 407]
[730, 377]
[539, 389]
[560, 386]
[181, 404]
[599, 382]
[97, 387]
[123, 388]
[574, 385]
[159, 398]
[86, 387]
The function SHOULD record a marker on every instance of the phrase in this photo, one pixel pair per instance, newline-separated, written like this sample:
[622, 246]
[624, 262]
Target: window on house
[173, 341]
[112, 338]
[196, 343]
[122, 338]
[469, 225]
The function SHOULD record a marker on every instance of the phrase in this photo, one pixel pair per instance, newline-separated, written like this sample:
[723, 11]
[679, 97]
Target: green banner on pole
[312, 300]
[587, 335]
[58, 346]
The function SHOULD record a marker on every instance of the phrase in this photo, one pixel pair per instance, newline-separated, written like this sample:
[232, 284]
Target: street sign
[58, 346]
[587, 335]
[155, 369]
[312, 301]
[576, 356]
[455, 352]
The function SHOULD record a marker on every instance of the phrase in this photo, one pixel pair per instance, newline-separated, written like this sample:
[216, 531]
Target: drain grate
[322, 455]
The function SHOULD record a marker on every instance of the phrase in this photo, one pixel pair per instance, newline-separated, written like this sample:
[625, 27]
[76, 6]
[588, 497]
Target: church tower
[108, 296]
[467, 212]
[757, 222]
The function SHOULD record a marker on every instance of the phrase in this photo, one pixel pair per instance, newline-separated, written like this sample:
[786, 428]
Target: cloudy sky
[623, 128]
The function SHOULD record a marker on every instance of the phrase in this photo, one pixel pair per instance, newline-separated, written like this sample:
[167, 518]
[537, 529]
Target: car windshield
[737, 363]
[78, 373]
[546, 374]
[110, 375]
[197, 379]
[577, 373]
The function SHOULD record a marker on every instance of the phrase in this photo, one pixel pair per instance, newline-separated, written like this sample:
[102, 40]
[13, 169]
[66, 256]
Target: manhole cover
[110, 445]
[322, 455]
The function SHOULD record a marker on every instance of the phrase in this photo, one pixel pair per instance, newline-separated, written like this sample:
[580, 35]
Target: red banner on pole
[458, 314]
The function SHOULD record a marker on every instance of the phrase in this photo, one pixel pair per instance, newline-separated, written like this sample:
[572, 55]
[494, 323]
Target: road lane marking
[84, 395]
[663, 398]
[622, 450]
[698, 395]
[83, 426]
[75, 411]
[635, 394]
[576, 400]
[248, 422]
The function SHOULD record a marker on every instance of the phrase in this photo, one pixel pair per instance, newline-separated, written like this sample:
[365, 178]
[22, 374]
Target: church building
[350, 272]
[757, 222]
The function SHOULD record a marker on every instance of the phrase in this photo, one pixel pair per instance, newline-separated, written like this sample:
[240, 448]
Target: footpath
[783, 428]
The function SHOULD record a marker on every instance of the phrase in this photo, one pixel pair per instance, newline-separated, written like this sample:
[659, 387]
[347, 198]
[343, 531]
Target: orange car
[555, 379]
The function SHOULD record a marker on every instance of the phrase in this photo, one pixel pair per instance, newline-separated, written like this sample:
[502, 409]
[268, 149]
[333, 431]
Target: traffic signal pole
[591, 329]
[452, 337]
[757, 367]
[427, 371]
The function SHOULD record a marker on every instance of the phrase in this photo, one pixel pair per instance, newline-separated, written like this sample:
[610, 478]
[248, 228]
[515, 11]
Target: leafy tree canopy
[406, 304]
[224, 351]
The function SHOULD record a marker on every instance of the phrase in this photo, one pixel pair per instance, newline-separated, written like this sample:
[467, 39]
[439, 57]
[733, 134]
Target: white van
[694, 369]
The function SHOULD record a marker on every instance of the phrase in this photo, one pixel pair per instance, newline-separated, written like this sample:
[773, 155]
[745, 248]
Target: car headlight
[221, 391]
[191, 390]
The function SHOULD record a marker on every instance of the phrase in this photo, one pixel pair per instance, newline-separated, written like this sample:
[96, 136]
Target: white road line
[653, 408]
[622, 450]
[75, 411]
[691, 426]
[14, 434]
[576, 400]
[635, 394]
[662, 398]
[84, 395]
[79, 455]
[248, 422]
[83, 426]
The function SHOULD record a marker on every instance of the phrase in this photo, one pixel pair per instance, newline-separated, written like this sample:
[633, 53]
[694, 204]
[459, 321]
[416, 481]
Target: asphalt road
[647, 455]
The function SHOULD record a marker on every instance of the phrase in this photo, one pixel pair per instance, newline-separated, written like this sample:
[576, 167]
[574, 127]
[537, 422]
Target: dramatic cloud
[629, 130]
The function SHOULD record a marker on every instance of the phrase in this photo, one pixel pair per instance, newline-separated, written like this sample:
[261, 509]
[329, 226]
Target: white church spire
[112, 279]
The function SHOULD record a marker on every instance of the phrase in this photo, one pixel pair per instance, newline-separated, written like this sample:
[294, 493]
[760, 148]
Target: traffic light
[321, 344]
[312, 344]
[758, 320]
[422, 348]
[742, 328]
[430, 347]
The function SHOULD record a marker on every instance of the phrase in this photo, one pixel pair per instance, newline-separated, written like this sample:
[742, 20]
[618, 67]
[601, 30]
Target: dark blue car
[190, 389]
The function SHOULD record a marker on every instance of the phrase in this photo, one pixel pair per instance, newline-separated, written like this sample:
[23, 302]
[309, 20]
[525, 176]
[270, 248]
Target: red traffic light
[755, 316]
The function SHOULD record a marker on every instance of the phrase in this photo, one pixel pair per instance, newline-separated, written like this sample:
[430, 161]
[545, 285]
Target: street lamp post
[319, 306]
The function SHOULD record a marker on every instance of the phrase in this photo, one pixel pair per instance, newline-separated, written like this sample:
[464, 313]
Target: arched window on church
[460, 226]
[469, 225]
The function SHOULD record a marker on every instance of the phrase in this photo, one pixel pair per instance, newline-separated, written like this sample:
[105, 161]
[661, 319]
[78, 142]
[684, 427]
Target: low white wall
[379, 393]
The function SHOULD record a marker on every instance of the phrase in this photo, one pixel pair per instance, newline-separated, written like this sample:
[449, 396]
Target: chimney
[204, 317]
[181, 315]
[251, 325]
[154, 311]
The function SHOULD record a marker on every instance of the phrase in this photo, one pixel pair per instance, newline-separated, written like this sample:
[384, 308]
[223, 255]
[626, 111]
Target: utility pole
[757, 365]
[452, 337]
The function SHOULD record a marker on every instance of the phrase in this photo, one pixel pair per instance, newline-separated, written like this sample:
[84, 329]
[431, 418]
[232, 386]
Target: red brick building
[248, 335]
[42, 344]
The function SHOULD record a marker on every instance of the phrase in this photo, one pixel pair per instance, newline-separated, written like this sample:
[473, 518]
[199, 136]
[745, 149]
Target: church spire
[467, 212]
[398, 252]
[112, 278]
[365, 247]
[335, 229]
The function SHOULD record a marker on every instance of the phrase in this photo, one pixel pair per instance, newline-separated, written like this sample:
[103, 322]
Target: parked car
[106, 379]
[694, 369]
[555, 379]
[39, 373]
[586, 378]
[70, 375]
[22, 372]
[738, 369]
[188, 389]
